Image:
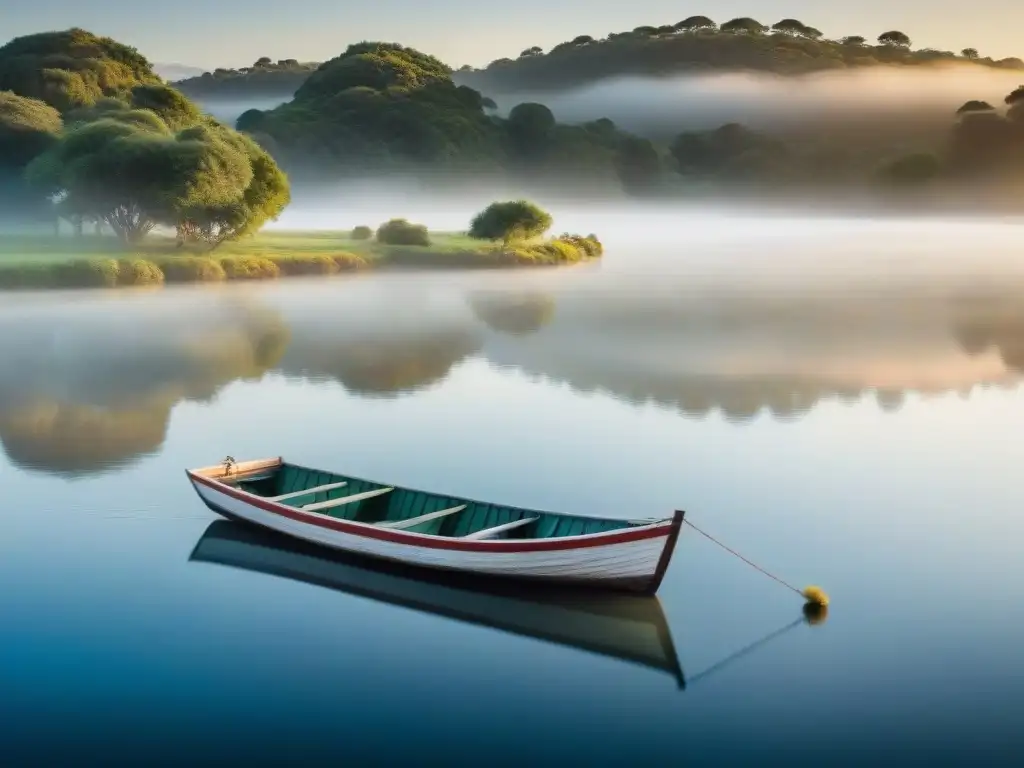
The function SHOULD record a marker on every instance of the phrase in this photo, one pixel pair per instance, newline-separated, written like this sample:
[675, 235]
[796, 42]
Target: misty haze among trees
[87, 126]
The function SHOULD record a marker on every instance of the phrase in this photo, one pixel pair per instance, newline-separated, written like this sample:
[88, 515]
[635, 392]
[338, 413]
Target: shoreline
[53, 262]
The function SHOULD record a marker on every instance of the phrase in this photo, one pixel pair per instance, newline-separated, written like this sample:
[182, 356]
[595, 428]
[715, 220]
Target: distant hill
[699, 45]
[172, 72]
[265, 79]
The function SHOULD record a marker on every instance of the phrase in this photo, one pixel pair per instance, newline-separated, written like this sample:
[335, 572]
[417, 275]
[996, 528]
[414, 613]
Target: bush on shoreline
[402, 232]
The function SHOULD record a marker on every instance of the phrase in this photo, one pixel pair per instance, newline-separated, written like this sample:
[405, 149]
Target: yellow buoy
[815, 595]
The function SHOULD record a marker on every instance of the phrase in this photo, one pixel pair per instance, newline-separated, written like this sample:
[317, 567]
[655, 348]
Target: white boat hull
[633, 559]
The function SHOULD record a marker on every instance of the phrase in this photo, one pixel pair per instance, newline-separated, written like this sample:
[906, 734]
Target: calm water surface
[852, 426]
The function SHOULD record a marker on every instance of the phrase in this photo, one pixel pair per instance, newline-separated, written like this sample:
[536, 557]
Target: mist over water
[822, 392]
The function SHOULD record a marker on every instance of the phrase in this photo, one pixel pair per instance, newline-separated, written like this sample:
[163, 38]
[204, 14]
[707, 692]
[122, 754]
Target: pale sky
[210, 33]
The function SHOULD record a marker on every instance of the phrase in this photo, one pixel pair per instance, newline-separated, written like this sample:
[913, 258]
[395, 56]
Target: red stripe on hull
[435, 542]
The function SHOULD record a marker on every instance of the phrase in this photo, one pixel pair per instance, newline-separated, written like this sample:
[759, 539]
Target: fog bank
[665, 106]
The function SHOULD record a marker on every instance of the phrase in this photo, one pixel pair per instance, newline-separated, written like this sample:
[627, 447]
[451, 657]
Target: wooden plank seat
[345, 499]
[307, 491]
[399, 525]
[487, 533]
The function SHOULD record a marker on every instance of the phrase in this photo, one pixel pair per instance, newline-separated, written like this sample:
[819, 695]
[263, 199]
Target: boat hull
[632, 560]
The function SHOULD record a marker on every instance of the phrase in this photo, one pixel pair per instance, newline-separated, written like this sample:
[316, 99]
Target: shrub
[349, 262]
[305, 264]
[402, 232]
[249, 268]
[590, 245]
[512, 220]
[191, 269]
[138, 272]
[362, 233]
[87, 273]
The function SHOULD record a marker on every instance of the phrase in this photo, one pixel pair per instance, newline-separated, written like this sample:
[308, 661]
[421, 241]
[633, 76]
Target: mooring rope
[741, 557]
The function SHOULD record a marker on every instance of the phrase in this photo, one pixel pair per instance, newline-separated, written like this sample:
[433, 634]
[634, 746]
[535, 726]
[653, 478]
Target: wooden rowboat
[439, 531]
[621, 626]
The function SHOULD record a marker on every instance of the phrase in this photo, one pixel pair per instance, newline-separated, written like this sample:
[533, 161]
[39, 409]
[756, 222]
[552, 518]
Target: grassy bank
[47, 261]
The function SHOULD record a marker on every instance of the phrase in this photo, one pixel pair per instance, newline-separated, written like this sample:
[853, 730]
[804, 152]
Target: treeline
[89, 133]
[787, 47]
[383, 107]
[265, 78]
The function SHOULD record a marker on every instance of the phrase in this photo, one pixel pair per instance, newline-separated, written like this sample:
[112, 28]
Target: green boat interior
[364, 501]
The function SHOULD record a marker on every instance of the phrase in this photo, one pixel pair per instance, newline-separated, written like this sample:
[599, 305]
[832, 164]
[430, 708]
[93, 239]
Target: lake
[837, 399]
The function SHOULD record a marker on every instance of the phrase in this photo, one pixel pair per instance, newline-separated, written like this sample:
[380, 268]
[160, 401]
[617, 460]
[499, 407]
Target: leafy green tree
[380, 105]
[744, 25]
[208, 181]
[789, 27]
[695, 22]
[853, 40]
[250, 120]
[812, 33]
[970, 53]
[530, 123]
[508, 221]
[233, 208]
[168, 104]
[582, 40]
[402, 232]
[73, 68]
[533, 51]
[894, 38]
[28, 127]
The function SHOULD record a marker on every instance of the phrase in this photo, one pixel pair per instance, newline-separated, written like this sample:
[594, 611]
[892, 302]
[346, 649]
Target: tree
[894, 38]
[28, 127]
[508, 221]
[534, 51]
[975, 106]
[812, 33]
[970, 53]
[170, 105]
[402, 232]
[530, 123]
[695, 22]
[638, 165]
[744, 26]
[380, 104]
[1016, 96]
[582, 40]
[853, 40]
[207, 181]
[73, 68]
[789, 27]
[262, 61]
[229, 214]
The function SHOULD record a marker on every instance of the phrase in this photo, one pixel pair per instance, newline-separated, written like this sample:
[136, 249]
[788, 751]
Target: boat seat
[307, 491]
[398, 525]
[345, 499]
[487, 533]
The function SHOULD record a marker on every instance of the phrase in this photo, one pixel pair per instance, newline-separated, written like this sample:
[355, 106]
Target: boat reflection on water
[627, 627]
